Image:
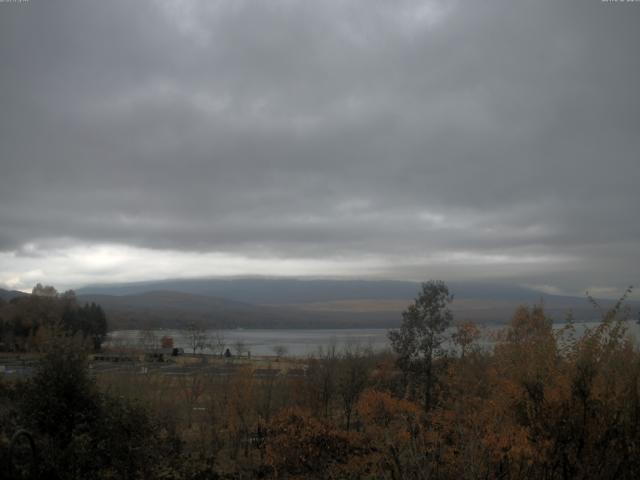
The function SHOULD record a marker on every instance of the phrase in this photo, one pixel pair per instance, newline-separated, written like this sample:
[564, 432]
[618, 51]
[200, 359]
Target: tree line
[26, 321]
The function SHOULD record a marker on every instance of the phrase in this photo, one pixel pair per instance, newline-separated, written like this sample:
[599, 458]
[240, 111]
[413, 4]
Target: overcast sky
[394, 139]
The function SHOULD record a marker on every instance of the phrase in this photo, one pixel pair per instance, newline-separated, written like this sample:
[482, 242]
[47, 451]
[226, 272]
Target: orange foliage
[301, 446]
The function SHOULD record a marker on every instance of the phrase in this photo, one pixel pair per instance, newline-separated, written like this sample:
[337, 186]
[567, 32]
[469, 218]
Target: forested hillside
[27, 321]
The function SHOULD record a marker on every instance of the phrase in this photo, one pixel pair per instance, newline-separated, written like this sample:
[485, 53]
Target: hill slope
[304, 303]
[265, 290]
[7, 295]
[175, 309]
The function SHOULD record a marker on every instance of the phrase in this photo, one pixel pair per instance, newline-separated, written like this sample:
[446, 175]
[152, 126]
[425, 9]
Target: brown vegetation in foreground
[542, 404]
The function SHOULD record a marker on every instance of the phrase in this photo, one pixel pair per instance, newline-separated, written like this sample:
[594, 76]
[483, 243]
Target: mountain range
[262, 302]
[7, 295]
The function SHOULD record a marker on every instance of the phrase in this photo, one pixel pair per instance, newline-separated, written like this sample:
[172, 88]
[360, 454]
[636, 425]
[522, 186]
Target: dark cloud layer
[502, 135]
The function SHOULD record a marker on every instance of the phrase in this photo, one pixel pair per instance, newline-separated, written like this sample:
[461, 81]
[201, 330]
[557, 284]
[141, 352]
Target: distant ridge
[310, 303]
[265, 290]
[170, 309]
[7, 295]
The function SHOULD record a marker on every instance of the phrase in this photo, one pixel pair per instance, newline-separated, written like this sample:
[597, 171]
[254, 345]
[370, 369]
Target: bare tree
[192, 388]
[352, 380]
[218, 343]
[148, 339]
[322, 375]
[280, 351]
[197, 337]
[239, 347]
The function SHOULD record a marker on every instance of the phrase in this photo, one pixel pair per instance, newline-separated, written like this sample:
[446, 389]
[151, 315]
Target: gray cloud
[414, 134]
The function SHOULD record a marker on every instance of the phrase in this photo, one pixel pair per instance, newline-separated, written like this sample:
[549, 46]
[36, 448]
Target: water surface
[300, 342]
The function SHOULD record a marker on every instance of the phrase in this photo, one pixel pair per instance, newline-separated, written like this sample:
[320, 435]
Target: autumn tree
[322, 375]
[393, 427]
[192, 388]
[241, 414]
[465, 335]
[603, 404]
[352, 380]
[417, 343]
[301, 446]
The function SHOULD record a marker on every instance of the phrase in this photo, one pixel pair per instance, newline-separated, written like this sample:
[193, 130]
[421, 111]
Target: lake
[299, 342]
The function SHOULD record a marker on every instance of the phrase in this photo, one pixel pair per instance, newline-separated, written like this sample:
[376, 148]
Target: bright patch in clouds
[80, 265]
[77, 266]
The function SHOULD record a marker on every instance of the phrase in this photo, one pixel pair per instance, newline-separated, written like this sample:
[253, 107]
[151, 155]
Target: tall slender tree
[420, 337]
